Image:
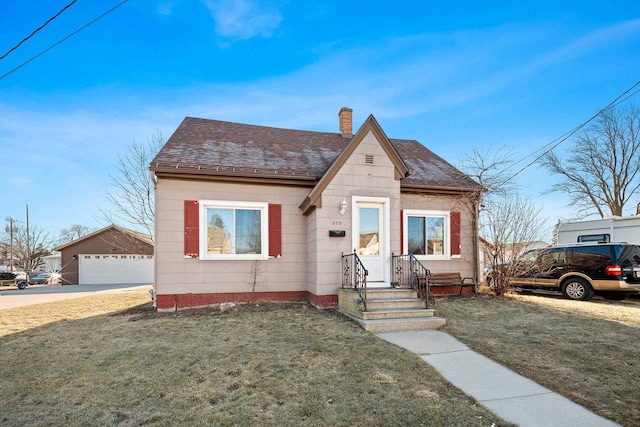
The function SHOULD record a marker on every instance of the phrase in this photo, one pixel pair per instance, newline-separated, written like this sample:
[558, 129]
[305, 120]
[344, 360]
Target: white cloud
[244, 19]
[166, 8]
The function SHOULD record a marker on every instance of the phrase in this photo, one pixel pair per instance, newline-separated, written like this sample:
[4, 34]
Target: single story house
[112, 255]
[247, 213]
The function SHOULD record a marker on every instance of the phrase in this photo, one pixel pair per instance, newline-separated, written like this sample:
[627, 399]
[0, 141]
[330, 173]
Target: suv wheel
[577, 289]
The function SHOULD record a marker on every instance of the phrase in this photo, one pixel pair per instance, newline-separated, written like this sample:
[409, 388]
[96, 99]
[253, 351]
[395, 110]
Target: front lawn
[80, 362]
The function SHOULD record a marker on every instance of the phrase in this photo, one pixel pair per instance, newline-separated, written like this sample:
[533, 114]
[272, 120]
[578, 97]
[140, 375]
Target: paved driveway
[11, 297]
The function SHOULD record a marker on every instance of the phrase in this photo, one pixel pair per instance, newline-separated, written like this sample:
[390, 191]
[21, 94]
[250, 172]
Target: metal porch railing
[407, 271]
[354, 275]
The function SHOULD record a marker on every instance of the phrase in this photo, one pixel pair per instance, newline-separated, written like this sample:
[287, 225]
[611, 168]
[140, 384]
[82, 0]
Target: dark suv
[582, 270]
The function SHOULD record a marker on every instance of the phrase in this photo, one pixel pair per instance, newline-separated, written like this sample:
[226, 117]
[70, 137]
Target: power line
[37, 29]
[556, 142]
[568, 134]
[63, 39]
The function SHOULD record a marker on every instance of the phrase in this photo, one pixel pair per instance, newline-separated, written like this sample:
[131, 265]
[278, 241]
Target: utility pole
[28, 248]
[10, 231]
[11, 244]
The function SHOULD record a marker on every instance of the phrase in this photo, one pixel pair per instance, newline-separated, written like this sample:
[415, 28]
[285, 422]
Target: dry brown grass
[586, 351]
[23, 318]
[267, 365]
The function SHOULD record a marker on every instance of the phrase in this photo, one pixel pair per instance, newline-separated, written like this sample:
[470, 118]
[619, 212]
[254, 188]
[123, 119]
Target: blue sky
[453, 75]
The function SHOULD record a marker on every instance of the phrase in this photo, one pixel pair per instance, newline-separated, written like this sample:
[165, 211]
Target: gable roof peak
[370, 125]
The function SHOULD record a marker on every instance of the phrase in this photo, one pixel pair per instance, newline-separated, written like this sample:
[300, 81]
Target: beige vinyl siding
[176, 274]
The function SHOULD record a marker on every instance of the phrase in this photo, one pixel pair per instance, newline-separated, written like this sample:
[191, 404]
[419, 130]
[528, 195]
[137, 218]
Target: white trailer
[610, 229]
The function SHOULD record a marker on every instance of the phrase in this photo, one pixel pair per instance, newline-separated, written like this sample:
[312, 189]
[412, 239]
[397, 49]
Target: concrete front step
[407, 324]
[395, 303]
[388, 310]
[391, 293]
[397, 313]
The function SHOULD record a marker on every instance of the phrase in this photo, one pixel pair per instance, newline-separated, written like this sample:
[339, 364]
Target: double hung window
[427, 233]
[233, 230]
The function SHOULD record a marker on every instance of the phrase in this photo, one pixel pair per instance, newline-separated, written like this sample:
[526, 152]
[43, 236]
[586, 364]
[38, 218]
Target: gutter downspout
[476, 246]
[152, 291]
[475, 214]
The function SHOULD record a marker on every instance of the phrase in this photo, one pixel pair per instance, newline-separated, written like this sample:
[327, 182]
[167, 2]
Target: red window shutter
[275, 230]
[401, 232]
[191, 229]
[455, 233]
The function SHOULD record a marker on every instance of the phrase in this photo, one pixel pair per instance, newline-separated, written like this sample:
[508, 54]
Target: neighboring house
[112, 255]
[246, 213]
[52, 263]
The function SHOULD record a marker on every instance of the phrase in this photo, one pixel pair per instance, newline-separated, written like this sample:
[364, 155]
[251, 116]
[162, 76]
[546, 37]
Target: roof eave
[226, 175]
[439, 189]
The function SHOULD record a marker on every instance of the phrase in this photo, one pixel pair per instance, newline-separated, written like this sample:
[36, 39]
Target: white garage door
[98, 269]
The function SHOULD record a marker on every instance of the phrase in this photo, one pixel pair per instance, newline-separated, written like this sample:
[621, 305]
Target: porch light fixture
[343, 206]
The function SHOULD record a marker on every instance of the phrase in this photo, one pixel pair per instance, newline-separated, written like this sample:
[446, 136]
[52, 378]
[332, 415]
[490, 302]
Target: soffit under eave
[313, 200]
[244, 179]
[441, 189]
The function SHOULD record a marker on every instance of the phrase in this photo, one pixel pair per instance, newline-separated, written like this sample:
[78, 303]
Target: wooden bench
[441, 280]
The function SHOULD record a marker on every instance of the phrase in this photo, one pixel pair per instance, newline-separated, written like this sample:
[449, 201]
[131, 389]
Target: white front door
[371, 239]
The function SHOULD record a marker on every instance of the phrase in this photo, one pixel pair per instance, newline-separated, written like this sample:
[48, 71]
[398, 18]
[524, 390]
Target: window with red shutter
[455, 233]
[191, 229]
[275, 230]
[232, 229]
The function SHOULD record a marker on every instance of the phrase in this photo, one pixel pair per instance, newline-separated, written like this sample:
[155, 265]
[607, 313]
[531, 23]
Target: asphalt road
[11, 296]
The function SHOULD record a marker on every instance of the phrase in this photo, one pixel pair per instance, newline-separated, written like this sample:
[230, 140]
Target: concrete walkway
[510, 396]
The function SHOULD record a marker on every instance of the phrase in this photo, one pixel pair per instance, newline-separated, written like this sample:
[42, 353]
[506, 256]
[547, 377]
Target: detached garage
[113, 255]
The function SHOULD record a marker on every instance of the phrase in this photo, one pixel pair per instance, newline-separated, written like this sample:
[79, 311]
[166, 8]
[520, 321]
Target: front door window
[369, 238]
[369, 232]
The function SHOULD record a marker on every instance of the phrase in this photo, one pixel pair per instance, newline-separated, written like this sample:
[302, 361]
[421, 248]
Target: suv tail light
[614, 270]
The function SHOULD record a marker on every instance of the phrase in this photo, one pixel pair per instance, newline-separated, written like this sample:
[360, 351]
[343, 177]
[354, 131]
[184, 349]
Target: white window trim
[428, 214]
[386, 228]
[226, 204]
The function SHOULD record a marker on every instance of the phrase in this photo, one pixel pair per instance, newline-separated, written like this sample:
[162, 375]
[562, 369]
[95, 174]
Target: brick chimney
[346, 122]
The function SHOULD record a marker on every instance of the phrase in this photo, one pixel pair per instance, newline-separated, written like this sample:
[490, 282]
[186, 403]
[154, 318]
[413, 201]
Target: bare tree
[602, 174]
[489, 169]
[508, 223]
[28, 248]
[74, 232]
[510, 226]
[132, 198]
